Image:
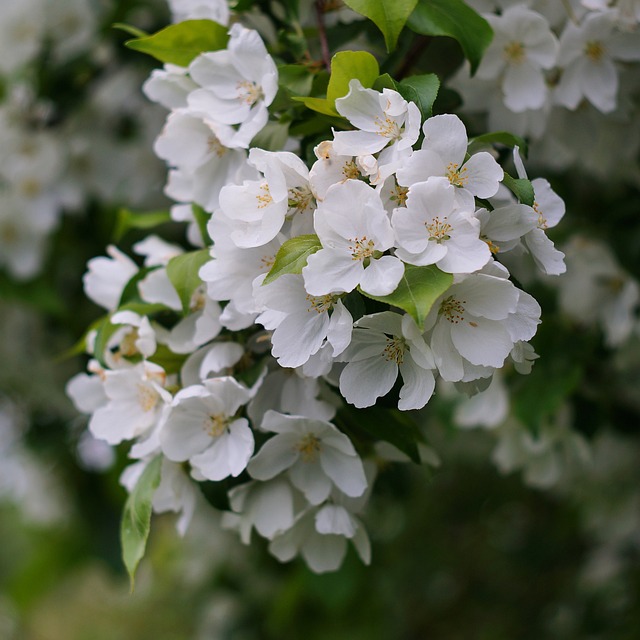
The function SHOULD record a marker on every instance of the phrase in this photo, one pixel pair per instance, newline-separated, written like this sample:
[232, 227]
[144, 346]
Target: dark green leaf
[136, 518]
[521, 188]
[503, 138]
[181, 43]
[183, 272]
[417, 291]
[127, 219]
[389, 16]
[423, 90]
[455, 19]
[295, 78]
[292, 256]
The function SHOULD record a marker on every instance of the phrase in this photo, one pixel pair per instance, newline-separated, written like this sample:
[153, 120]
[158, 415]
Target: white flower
[216, 10]
[169, 86]
[201, 427]
[587, 54]
[22, 26]
[443, 154]
[330, 169]
[381, 119]
[431, 229]
[523, 45]
[136, 399]
[383, 344]
[107, 277]
[238, 84]
[306, 321]
[315, 453]
[354, 230]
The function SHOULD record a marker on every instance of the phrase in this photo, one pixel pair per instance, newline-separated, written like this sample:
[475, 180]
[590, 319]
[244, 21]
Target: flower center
[542, 222]
[309, 448]
[320, 304]
[386, 127]
[300, 198]
[361, 248]
[452, 310]
[249, 92]
[147, 397]
[215, 146]
[494, 248]
[266, 262]
[594, 50]
[399, 195]
[438, 231]
[128, 344]
[350, 170]
[514, 52]
[216, 425]
[394, 351]
[8, 233]
[264, 197]
[457, 177]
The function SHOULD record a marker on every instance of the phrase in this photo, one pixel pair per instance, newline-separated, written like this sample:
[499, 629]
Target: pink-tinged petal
[418, 385]
[483, 175]
[364, 381]
[311, 480]
[524, 87]
[346, 472]
[482, 342]
[382, 276]
[276, 455]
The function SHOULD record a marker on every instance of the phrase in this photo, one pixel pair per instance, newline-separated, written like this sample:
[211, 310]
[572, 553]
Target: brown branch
[322, 33]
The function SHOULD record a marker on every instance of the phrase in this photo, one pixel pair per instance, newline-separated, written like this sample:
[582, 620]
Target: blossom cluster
[373, 273]
[563, 74]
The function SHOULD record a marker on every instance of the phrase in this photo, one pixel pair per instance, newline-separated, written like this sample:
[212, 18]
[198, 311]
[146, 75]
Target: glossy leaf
[521, 188]
[183, 272]
[503, 138]
[136, 518]
[181, 43]
[389, 16]
[423, 90]
[417, 291]
[457, 20]
[292, 256]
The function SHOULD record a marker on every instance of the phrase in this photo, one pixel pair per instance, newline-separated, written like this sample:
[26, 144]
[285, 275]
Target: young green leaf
[417, 291]
[202, 218]
[127, 219]
[423, 90]
[453, 18]
[521, 188]
[292, 256]
[183, 274]
[136, 518]
[181, 43]
[389, 16]
[347, 65]
[295, 78]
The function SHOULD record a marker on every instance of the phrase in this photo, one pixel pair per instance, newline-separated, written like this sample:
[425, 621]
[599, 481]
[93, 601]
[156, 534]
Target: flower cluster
[372, 273]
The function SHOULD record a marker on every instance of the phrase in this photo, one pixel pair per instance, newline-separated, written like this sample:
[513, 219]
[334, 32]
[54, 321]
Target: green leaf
[423, 90]
[181, 43]
[385, 81]
[292, 256]
[171, 362]
[127, 219]
[202, 218]
[295, 78]
[417, 291]
[389, 16]
[183, 274]
[130, 29]
[272, 137]
[136, 518]
[130, 293]
[521, 188]
[347, 65]
[503, 138]
[457, 20]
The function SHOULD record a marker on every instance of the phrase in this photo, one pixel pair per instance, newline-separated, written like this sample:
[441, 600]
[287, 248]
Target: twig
[322, 33]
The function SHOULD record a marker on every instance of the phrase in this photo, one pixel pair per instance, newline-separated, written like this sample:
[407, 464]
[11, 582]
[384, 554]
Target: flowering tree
[351, 256]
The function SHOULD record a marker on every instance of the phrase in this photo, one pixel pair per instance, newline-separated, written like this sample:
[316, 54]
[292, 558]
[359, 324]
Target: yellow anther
[438, 231]
[514, 52]
[453, 309]
[309, 448]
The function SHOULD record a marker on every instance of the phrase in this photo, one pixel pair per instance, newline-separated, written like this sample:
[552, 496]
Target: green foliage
[181, 43]
[272, 137]
[389, 16]
[457, 20]
[345, 66]
[417, 291]
[136, 518]
[295, 78]
[292, 256]
[423, 90]
[202, 219]
[183, 273]
[127, 220]
[521, 188]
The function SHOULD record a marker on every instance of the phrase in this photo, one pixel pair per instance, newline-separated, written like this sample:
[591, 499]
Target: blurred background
[524, 526]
